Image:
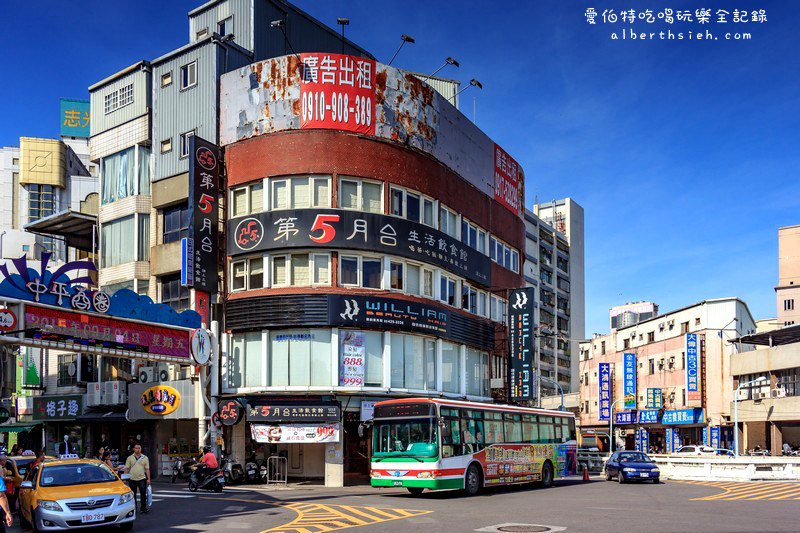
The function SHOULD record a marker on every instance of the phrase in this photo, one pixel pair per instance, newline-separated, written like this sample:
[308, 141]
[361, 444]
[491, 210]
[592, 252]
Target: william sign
[521, 374]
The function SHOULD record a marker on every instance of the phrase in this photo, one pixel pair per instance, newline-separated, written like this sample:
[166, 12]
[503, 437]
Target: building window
[396, 277]
[451, 367]
[118, 175]
[300, 270]
[473, 236]
[300, 358]
[115, 241]
[142, 287]
[173, 293]
[247, 274]
[413, 362]
[448, 221]
[114, 287]
[469, 298]
[41, 201]
[166, 79]
[225, 27]
[118, 99]
[602, 347]
[166, 146]
[176, 223]
[185, 143]
[15, 161]
[626, 343]
[361, 195]
[788, 305]
[299, 193]
[789, 381]
[248, 199]
[499, 308]
[477, 372]
[411, 205]
[447, 290]
[189, 75]
[67, 370]
[684, 327]
[562, 264]
[504, 255]
[246, 366]
[358, 271]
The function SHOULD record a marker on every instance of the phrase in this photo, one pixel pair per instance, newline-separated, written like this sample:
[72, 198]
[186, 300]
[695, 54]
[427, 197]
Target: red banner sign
[509, 181]
[337, 92]
[109, 332]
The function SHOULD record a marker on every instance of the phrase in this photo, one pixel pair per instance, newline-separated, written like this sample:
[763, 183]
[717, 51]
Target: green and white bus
[427, 443]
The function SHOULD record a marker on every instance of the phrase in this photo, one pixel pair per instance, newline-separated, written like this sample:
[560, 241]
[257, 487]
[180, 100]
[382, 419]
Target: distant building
[632, 313]
[788, 290]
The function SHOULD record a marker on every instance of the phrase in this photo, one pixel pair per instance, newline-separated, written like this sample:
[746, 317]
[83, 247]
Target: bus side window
[571, 422]
[530, 430]
[451, 438]
[513, 429]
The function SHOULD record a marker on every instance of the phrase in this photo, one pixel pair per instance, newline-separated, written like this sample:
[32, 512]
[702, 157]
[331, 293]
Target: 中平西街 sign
[200, 253]
[337, 92]
[101, 331]
[629, 384]
[692, 367]
[57, 407]
[604, 372]
[293, 433]
[161, 400]
[356, 230]
[521, 374]
[290, 412]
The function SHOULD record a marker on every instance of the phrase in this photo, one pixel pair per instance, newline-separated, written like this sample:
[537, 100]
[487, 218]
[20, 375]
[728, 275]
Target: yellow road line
[781, 495]
[744, 490]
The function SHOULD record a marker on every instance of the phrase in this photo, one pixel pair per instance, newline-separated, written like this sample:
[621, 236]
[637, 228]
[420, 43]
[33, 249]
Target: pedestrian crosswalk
[160, 495]
[750, 490]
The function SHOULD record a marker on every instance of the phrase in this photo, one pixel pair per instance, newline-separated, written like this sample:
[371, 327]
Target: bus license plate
[398, 483]
[92, 517]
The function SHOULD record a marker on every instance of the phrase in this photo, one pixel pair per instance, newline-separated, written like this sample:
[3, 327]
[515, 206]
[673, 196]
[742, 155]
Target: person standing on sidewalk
[138, 467]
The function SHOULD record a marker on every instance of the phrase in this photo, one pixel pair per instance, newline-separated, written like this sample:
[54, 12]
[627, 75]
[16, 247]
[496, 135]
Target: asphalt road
[595, 506]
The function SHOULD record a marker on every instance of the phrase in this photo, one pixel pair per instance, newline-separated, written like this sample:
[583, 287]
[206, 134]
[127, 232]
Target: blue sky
[682, 153]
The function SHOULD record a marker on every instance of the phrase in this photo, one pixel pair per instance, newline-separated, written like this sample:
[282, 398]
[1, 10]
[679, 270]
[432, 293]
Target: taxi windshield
[75, 474]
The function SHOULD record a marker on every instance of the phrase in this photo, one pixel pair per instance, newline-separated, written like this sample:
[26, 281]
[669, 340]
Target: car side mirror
[125, 477]
[26, 485]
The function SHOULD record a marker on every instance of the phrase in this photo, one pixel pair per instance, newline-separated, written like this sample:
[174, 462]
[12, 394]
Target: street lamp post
[560, 388]
[611, 422]
[736, 412]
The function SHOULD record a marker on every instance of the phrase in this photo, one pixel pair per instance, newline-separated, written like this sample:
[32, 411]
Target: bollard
[585, 473]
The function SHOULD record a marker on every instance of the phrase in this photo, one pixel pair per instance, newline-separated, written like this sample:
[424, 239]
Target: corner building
[373, 235]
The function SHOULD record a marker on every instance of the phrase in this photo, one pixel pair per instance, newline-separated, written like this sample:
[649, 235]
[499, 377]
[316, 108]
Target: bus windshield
[413, 437]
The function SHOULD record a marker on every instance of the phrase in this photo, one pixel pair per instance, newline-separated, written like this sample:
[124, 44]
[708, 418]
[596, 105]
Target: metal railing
[277, 470]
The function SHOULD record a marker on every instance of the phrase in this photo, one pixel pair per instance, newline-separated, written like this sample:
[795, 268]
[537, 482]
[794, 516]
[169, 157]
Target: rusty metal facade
[265, 97]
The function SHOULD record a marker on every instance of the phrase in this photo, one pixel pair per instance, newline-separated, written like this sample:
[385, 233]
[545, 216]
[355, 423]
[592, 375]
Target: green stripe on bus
[433, 484]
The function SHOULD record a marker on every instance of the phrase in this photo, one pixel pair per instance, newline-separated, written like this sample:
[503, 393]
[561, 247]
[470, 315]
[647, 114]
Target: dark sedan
[631, 466]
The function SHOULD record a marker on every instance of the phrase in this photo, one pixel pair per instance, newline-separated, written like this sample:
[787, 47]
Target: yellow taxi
[17, 467]
[74, 493]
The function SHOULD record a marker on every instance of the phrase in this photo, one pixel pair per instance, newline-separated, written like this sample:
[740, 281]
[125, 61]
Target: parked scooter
[234, 473]
[252, 471]
[213, 479]
[182, 469]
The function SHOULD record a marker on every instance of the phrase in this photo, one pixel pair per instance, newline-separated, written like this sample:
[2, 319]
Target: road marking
[750, 490]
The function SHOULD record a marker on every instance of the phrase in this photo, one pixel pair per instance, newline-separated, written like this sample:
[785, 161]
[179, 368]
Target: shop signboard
[352, 358]
[654, 398]
[642, 440]
[293, 412]
[715, 437]
[230, 412]
[692, 368]
[100, 331]
[629, 383]
[521, 338]
[200, 346]
[204, 178]
[160, 400]
[683, 416]
[75, 118]
[65, 407]
[356, 230]
[294, 434]
[367, 409]
[508, 181]
[369, 311]
[604, 371]
[648, 416]
[676, 439]
[625, 417]
[8, 319]
[31, 367]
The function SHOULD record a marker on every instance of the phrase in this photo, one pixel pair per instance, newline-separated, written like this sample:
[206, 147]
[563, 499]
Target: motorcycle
[252, 471]
[212, 479]
[182, 469]
[234, 473]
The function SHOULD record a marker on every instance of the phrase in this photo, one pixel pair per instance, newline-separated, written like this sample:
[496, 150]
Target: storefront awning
[102, 416]
[75, 227]
[18, 428]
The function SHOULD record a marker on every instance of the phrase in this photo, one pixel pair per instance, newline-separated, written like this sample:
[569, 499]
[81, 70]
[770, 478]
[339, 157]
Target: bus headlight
[424, 474]
[375, 473]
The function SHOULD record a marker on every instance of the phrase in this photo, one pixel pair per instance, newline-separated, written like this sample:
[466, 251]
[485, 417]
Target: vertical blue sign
[521, 335]
[715, 437]
[74, 118]
[605, 391]
[676, 439]
[654, 398]
[187, 261]
[629, 387]
[705, 436]
[692, 367]
[644, 439]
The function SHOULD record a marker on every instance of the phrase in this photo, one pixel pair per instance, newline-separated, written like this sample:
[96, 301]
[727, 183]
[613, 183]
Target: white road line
[174, 496]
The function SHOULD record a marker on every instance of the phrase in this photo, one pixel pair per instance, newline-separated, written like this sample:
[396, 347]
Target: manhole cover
[523, 529]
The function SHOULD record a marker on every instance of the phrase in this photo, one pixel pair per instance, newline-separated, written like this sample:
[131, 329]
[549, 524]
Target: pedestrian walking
[138, 468]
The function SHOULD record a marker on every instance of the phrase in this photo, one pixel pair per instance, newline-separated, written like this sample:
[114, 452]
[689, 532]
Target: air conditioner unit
[633, 334]
[187, 372]
[742, 395]
[174, 372]
[671, 322]
[162, 373]
[780, 392]
[147, 374]
[114, 392]
[94, 394]
[661, 325]
[661, 364]
[760, 395]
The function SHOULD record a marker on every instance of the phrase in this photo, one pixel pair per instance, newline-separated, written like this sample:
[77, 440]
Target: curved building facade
[373, 233]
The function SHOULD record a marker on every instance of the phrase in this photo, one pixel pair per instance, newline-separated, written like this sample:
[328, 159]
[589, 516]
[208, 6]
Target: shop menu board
[293, 412]
[351, 367]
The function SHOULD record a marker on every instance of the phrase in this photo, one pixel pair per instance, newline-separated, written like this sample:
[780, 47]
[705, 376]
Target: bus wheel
[472, 481]
[547, 475]
[415, 491]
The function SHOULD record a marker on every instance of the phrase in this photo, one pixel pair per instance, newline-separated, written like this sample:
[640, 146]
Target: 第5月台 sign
[161, 400]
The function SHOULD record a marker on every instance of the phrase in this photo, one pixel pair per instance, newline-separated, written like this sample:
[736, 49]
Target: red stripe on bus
[437, 473]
